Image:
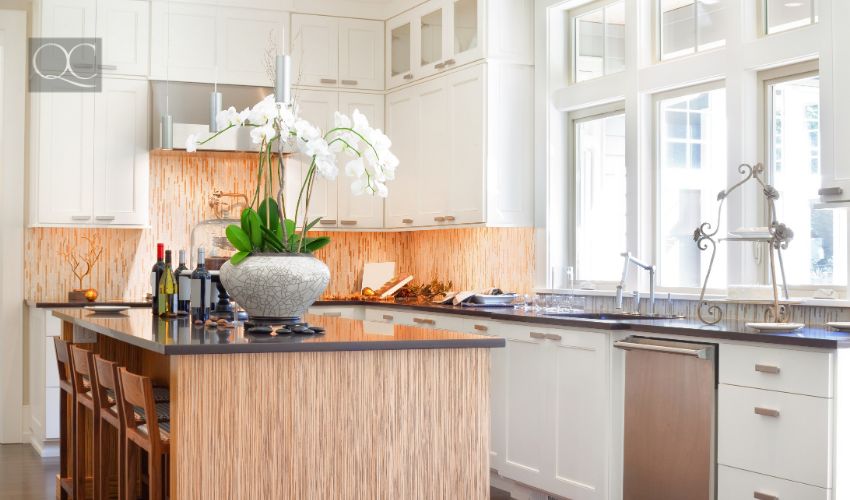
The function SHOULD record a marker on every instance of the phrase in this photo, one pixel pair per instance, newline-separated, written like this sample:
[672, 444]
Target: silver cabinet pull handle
[348, 222]
[623, 344]
[105, 217]
[451, 218]
[450, 62]
[332, 314]
[553, 336]
[766, 412]
[480, 328]
[537, 335]
[387, 317]
[407, 221]
[439, 65]
[327, 221]
[439, 219]
[767, 369]
[348, 82]
[107, 67]
[764, 496]
[424, 321]
[830, 191]
[408, 76]
[330, 81]
[80, 217]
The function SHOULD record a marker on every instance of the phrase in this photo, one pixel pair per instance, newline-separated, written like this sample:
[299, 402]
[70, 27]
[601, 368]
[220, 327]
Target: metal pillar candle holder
[779, 235]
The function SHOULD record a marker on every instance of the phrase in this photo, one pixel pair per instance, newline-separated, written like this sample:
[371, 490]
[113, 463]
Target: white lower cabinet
[43, 381]
[737, 484]
[556, 405]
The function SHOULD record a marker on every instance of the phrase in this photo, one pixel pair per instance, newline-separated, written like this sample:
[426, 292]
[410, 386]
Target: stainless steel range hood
[189, 105]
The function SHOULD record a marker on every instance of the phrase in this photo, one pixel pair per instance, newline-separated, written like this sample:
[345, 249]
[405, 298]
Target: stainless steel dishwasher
[669, 420]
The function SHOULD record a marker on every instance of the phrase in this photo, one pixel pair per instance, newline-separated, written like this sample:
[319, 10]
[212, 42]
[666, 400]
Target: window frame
[766, 79]
[656, 99]
[658, 38]
[575, 118]
[764, 28]
[572, 39]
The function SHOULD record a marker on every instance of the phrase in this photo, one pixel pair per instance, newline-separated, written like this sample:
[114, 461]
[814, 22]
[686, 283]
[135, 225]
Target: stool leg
[101, 471]
[130, 467]
[79, 452]
[64, 445]
[97, 473]
[155, 476]
[122, 456]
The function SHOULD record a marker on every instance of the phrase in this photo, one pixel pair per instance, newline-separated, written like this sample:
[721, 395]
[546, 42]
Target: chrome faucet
[628, 258]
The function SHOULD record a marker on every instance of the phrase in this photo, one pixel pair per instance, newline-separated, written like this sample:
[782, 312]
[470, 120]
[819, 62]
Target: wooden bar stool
[81, 374]
[152, 435]
[109, 412]
[67, 397]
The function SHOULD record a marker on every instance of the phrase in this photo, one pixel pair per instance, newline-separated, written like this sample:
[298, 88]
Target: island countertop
[179, 336]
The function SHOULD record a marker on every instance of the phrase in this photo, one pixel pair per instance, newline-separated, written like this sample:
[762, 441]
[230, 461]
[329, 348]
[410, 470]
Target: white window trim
[574, 118]
[745, 54]
[657, 38]
[764, 28]
[572, 14]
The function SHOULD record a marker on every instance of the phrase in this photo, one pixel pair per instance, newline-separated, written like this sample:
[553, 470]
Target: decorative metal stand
[779, 236]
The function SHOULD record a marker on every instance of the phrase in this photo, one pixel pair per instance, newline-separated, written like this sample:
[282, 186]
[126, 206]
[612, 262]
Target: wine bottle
[156, 274]
[184, 286]
[201, 285]
[167, 288]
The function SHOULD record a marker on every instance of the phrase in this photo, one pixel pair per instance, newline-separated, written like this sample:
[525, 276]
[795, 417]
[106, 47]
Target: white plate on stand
[106, 309]
[775, 327]
[841, 326]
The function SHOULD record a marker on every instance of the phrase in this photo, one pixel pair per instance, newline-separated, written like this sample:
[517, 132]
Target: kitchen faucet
[629, 258]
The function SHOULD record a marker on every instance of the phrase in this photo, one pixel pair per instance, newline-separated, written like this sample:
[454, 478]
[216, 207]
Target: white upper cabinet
[403, 128]
[441, 35]
[203, 43]
[121, 153]
[359, 211]
[337, 52]
[465, 156]
[315, 50]
[124, 26]
[835, 174]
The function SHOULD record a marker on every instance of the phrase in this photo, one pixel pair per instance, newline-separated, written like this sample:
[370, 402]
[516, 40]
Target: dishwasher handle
[699, 351]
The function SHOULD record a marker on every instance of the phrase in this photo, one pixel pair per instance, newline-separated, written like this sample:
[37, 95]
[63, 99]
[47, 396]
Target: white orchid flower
[192, 143]
[265, 133]
[326, 166]
[355, 168]
[359, 186]
[227, 118]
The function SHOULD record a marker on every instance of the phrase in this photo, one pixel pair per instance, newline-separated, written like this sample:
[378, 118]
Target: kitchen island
[366, 410]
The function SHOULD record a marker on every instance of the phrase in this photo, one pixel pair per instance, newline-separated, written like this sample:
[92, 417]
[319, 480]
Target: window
[689, 26]
[600, 207]
[691, 170]
[599, 40]
[783, 15]
[816, 255]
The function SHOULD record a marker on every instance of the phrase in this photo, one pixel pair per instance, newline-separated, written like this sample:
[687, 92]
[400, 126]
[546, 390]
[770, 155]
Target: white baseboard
[47, 449]
[25, 427]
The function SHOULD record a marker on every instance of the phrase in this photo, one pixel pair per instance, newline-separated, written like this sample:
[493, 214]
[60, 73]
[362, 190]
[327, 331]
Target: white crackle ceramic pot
[279, 286]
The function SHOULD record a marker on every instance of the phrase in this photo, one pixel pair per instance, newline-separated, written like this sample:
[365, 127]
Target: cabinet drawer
[775, 433]
[437, 321]
[800, 372]
[350, 312]
[735, 484]
[382, 314]
[481, 327]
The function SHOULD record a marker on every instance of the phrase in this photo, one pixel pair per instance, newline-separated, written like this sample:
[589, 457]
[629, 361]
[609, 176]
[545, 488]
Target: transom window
[599, 43]
[783, 15]
[689, 26]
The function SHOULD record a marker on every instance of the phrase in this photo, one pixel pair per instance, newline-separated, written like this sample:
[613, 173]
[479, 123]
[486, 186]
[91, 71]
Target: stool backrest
[105, 374]
[137, 391]
[63, 360]
[81, 369]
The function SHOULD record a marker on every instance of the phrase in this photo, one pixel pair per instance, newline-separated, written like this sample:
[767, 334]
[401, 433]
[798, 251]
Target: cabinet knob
[424, 321]
[830, 191]
[105, 217]
[407, 221]
[348, 82]
[450, 218]
[758, 495]
[332, 314]
[348, 222]
[439, 219]
[767, 369]
[327, 221]
[481, 328]
[439, 65]
[107, 67]
[450, 62]
[553, 336]
[766, 412]
[388, 317]
[408, 76]
[537, 335]
[80, 217]
[329, 81]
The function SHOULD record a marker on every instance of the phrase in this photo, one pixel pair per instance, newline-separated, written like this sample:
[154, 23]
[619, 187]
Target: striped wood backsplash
[180, 185]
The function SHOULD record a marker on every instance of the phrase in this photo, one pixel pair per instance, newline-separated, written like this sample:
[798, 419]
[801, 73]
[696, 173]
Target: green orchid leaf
[238, 257]
[243, 218]
[317, 243]
[271, 240]
[269, 205]
[310, 225]
[238, 238]
[289, 228]
[255, 228]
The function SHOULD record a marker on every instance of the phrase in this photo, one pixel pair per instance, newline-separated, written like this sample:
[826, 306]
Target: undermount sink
[612, 316]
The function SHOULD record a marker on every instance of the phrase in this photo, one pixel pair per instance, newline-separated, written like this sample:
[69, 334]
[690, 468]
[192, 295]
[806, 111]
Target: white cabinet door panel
[124, 27]
[361, 54]
[315, 50]
[51, 413]
[184, 41]
[735, 484]
[247, 37]
[121, 152]
[360, 211]
[467, 124]
[403, 128]
[434, 172]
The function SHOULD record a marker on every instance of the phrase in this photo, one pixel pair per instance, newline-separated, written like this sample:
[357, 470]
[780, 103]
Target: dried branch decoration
[82, 264]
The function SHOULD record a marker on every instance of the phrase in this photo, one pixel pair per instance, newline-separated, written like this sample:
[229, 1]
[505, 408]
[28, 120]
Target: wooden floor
[26, 476]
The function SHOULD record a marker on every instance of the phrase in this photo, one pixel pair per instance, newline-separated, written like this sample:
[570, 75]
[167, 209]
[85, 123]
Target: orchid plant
[265, 226]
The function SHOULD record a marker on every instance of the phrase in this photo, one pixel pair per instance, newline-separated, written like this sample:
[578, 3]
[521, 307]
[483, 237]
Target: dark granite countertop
[819, 336]
[179, 336]
[56, 304]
